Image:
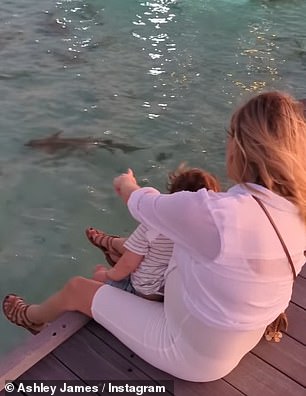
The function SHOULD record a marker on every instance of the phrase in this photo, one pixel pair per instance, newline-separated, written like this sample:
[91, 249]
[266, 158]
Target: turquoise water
[162, 75]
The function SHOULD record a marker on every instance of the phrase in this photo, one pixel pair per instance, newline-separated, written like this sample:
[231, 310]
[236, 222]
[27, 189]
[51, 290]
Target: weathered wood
[92, 359]
[254, 377]
[297, 323]
[288, 356]
[95, 354]
[182, 388]
[49, 368]
[14, 393]
[37, 347]
[303, 271]
[106, 337]
[215, 388]
[299, 292]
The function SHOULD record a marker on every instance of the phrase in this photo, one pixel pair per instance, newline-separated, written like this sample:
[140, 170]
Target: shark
[56, 142]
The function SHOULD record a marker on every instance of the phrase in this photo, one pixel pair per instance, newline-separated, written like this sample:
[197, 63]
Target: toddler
[145, 255]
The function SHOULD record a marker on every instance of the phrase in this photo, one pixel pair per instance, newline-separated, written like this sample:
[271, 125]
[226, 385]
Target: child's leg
[117, 245]
[111, 245]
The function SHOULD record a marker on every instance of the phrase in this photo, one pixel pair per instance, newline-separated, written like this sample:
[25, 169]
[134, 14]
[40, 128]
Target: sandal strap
[108, 250]
[110, 246]
[18, 314]
[27, 320]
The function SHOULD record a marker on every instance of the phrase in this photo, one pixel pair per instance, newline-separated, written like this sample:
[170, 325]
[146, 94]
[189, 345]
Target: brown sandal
[100, 237]
[16, 312]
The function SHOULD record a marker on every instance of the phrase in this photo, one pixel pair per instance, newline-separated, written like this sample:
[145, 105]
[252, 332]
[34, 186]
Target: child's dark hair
[191, 179]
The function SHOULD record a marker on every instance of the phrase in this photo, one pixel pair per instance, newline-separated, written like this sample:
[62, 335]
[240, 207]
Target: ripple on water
[163, 75]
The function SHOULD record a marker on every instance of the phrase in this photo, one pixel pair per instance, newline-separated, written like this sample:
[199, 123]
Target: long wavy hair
[267, 146]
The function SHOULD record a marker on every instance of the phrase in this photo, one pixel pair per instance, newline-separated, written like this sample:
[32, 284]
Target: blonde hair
[191, 179]
[268, 146]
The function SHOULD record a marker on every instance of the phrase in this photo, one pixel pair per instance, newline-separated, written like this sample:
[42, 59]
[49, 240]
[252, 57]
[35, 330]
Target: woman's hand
[125, 184]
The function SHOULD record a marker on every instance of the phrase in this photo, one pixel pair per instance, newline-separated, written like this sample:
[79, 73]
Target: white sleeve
[184, 217]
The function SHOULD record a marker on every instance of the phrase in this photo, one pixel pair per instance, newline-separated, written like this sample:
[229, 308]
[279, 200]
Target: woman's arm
[184, 217]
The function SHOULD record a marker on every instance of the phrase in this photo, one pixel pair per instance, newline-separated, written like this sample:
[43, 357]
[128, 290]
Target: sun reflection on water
[79, 23]
[167, 66]
[256, 58]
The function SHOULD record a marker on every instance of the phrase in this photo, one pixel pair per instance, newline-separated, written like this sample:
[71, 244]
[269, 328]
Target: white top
[149, 277]
[234, 270]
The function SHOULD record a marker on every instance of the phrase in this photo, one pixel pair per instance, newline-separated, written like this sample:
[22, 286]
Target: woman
[229, 276]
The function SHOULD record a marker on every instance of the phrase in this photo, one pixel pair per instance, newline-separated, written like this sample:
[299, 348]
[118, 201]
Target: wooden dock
[73, 348]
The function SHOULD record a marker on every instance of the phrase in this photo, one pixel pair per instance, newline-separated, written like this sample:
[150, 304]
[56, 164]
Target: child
[145, 255]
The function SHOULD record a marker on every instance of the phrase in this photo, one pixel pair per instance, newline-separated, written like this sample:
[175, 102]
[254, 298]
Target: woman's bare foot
[15, 310]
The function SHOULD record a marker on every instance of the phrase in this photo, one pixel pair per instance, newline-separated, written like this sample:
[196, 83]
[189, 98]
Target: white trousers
[167, 336]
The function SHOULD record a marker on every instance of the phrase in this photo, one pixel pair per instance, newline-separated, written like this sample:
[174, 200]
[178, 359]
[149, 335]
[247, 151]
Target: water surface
[163, 75]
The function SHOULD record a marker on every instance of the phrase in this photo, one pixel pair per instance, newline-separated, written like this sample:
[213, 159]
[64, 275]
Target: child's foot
[15, 310]
[105, 243]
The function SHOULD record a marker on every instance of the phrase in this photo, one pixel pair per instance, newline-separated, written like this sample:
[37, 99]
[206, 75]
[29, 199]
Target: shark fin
[55, 135]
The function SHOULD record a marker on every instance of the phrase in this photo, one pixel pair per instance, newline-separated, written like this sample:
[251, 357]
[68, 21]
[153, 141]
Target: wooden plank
[14, 393]
[94, 350]
[288, 356]
[254, 377]
[303, 271]
[49, 368]
[36, 347]
[106, 337]
[182, 388]
[297, 323]
[299, 292]
[214, 388]
[91, 359]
